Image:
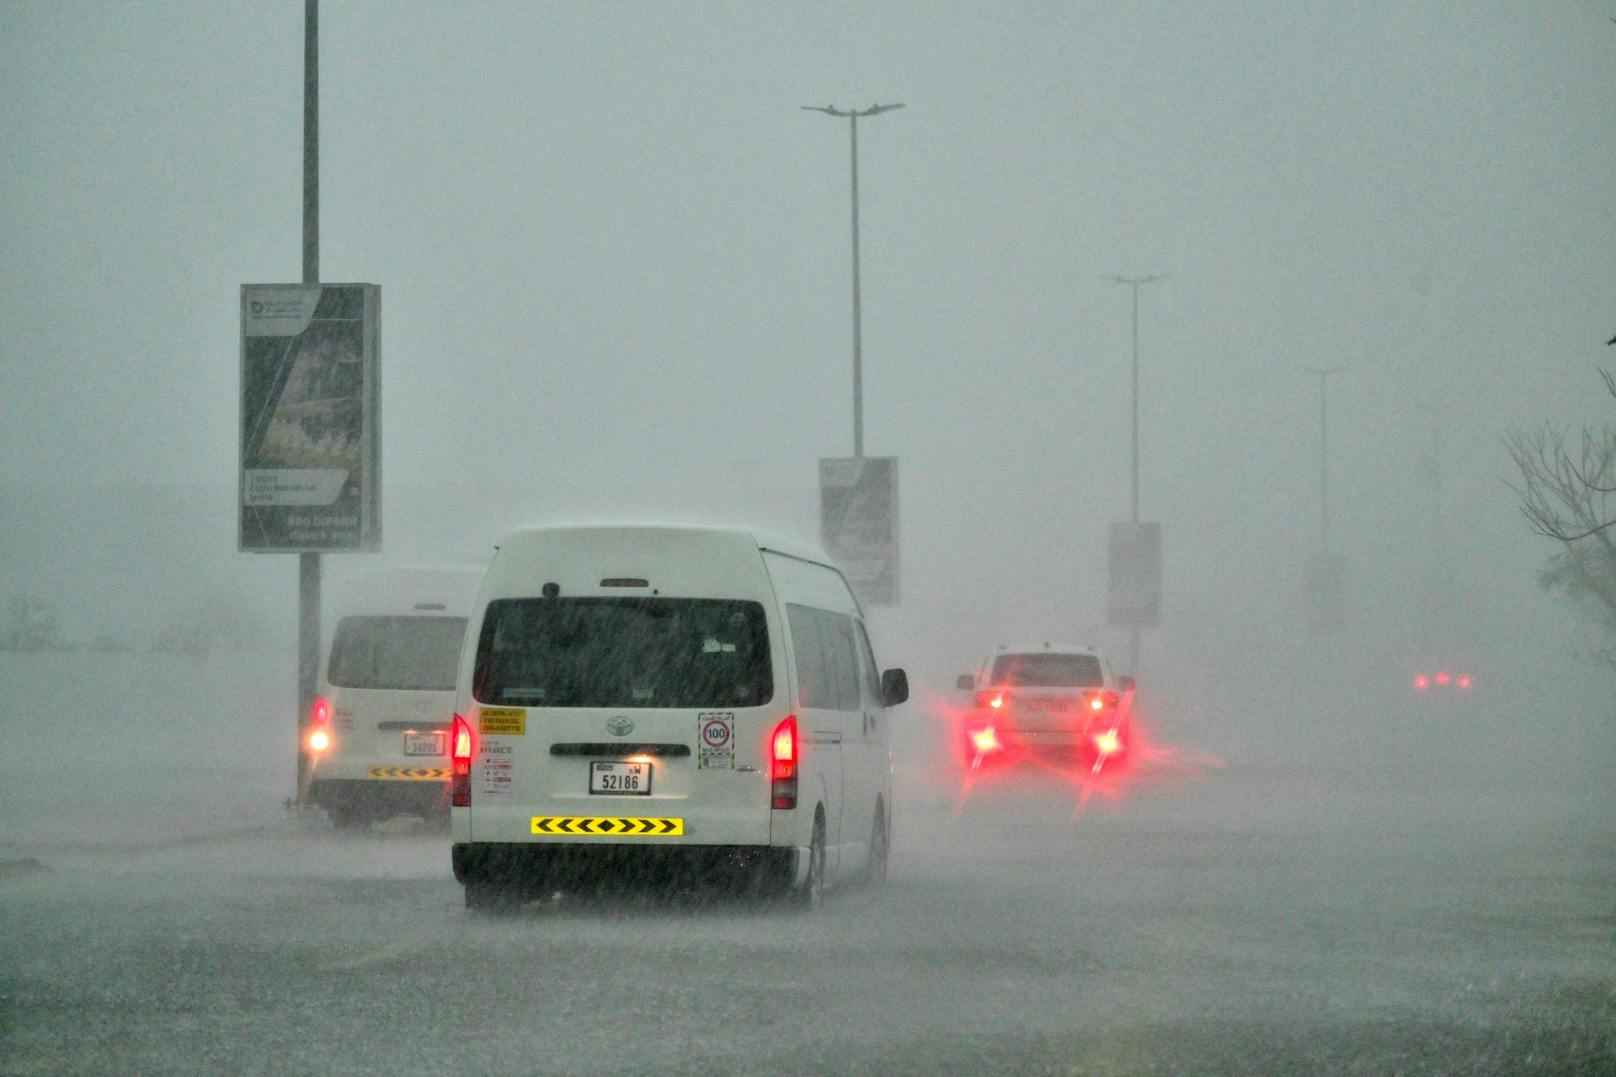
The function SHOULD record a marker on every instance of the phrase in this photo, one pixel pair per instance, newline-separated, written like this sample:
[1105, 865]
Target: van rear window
[402, 653]
[623, 652]
[1047, 670]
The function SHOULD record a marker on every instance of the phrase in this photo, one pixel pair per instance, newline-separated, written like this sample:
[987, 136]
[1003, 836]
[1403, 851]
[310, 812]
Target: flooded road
[1190, 917]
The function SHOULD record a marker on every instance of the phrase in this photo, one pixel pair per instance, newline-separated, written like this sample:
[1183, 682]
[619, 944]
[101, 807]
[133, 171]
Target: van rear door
[393, 681]
[621, 718]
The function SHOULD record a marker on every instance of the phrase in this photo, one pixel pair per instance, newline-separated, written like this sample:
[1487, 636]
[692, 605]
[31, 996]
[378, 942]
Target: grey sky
[614, 262]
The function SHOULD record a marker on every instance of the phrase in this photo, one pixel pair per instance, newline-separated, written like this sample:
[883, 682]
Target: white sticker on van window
[715, 739]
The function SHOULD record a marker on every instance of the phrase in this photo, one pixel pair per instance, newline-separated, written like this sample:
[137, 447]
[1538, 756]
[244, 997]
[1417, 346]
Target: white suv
[1047, 700]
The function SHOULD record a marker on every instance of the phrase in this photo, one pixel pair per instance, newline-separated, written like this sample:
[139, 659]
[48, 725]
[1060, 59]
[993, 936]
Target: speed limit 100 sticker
[717, 739]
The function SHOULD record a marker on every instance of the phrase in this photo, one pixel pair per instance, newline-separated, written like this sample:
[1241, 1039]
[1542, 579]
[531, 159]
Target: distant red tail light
[319, 738]
[461, 747]
[783, 764]
[1464, 680]
[1443, 678]
[1421, 683]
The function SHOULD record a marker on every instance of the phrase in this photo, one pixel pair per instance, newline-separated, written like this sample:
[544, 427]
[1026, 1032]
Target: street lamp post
[858, 351]
[1134, 283]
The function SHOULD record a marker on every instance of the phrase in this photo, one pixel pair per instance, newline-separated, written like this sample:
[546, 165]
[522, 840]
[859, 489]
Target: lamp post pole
[308, 563]
[858, 345]
[1134, 283]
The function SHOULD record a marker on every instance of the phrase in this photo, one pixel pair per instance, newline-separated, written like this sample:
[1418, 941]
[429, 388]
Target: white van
[672, 704]
[377, 738]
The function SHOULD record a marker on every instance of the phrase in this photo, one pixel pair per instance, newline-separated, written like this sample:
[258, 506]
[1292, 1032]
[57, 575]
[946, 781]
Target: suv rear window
[409, 653]
[623, 652]
[1044, 670]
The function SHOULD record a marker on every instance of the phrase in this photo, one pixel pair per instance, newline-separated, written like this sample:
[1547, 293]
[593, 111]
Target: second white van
[667, 704]
[377, 741]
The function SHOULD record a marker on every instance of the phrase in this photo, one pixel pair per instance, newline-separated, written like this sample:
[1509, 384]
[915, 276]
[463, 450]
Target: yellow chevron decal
[592, 826]
[408, 774]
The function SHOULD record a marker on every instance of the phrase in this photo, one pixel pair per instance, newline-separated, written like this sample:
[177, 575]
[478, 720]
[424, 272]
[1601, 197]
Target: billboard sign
[858, 523]
[310, 418]
[1135, 561]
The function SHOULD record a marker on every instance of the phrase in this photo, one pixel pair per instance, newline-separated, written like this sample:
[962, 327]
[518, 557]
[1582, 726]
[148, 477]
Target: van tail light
[783, 764]
[460, 751]
[994, 699]
[319, 738]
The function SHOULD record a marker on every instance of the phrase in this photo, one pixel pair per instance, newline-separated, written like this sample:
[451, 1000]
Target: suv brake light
[461, 743]
[783, 764]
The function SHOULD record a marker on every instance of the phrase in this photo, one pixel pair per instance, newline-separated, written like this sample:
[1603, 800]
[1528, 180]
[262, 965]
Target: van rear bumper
[380, 799]
[532, 867]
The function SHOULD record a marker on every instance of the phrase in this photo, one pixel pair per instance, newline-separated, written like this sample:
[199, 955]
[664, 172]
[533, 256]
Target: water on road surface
[1186, 917]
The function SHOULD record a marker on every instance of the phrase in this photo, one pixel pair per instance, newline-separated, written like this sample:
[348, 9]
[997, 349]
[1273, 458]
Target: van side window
[827, 664]
[815, 687]
[872, 672]
[838, 629]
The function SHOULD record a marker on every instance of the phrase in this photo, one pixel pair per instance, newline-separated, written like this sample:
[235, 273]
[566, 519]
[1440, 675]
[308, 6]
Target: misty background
[614, 260]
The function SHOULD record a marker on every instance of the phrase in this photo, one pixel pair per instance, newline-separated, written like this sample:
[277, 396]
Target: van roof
[763, 540]
[1044, 646]
[409, 589]
[713, 560]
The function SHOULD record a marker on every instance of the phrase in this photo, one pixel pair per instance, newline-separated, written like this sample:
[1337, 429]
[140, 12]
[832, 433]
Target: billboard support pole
[308, 564]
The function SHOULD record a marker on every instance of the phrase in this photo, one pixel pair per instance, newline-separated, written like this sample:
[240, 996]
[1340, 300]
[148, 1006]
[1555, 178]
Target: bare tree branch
[1568, 494]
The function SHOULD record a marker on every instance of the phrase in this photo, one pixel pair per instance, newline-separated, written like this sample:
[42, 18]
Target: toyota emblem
[619, 726]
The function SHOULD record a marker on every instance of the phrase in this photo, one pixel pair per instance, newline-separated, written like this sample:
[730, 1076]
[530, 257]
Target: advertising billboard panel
[310, 418]
[858, 523]
[1135, 562]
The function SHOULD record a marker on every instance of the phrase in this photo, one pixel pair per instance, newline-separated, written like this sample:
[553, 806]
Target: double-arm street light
[858, 354]
[1134, 283]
